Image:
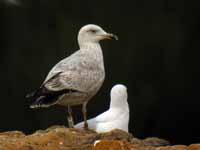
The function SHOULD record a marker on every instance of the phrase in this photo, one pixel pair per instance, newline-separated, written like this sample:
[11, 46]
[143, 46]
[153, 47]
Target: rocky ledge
[61, 138]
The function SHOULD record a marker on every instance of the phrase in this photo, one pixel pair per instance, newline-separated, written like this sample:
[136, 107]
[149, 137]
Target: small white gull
[116, 117]
[77, 78]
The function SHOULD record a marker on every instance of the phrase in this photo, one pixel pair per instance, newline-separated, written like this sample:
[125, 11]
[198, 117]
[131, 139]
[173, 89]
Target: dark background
[157, 58]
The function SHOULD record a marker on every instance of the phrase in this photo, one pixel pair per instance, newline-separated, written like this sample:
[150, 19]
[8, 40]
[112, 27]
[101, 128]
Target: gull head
[119, 96]
[93, 34]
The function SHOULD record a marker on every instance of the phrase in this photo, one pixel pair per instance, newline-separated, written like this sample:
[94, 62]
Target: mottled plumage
[77, 78]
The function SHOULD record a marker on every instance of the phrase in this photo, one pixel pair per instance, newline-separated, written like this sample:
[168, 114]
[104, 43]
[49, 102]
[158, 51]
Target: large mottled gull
[116, 117]
[77, 78]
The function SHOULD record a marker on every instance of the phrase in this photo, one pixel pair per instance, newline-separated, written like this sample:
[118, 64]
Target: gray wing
[77, 72]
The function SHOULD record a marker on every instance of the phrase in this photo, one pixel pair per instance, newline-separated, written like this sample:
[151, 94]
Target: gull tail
[44, 97]
[43, 101]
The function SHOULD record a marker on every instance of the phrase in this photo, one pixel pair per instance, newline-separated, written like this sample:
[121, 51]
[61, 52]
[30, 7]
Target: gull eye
[93, 31]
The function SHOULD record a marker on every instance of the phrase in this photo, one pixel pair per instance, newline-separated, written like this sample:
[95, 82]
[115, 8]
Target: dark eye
[93, 31]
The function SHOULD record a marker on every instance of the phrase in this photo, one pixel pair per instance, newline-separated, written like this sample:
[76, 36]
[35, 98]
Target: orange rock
[107, 145]
[119, 145]
[153, 141]
[175, 147]
[61, 138]
[194, 147]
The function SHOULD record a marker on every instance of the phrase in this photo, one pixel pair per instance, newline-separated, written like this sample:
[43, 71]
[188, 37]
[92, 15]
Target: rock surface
[61, 138]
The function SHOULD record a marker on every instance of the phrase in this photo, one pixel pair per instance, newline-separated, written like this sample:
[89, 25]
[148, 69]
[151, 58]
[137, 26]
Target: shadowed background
[156, 57]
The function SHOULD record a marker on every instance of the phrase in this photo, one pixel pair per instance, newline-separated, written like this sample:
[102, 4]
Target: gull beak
[109, 36]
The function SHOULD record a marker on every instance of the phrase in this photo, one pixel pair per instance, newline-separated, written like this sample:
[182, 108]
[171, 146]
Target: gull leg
[84, 111]
[69, 117]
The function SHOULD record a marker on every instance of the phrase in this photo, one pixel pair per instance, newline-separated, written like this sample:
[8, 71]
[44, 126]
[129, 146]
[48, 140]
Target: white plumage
[116, 117]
